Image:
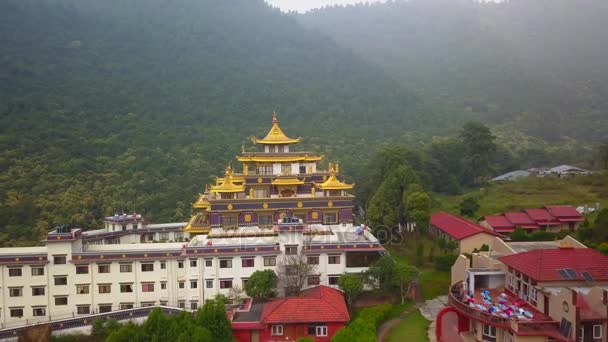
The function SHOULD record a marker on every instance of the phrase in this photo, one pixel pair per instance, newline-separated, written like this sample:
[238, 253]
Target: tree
[404, 275]
[236, 294]
[519, 235]
[352, 286]
[387, 206]
[213, 317]
[418, 205]
[469, 206]
[380, 274]
[261, 284]
[479, 145]
[293, 272]
[420, 252]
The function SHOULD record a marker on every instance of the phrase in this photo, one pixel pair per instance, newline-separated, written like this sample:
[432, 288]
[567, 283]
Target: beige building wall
[561, 306]
[468, 244]
[459, 269]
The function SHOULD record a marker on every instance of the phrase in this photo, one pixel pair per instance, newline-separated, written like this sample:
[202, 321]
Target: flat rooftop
[521, 247]
[134, 247]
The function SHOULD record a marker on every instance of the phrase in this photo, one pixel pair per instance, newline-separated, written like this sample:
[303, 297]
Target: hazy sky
[305, 5]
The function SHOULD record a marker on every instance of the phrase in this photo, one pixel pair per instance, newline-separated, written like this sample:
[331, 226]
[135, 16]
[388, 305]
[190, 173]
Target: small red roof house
[469, 235]
[542, 217]
[498, 223]
[521, 219]
[553, 218]
[317, 313]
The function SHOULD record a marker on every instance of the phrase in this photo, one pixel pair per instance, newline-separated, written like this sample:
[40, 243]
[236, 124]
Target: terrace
[501, 309]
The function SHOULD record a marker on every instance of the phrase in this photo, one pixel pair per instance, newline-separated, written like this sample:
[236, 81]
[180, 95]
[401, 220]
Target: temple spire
[275, 136]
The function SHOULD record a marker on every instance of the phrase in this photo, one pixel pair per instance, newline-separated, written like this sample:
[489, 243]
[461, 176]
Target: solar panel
[587, 276]
[563, 274]
[571, 273]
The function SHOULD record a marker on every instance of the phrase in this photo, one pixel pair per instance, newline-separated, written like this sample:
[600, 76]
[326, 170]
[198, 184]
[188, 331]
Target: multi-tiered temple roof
[274, 182]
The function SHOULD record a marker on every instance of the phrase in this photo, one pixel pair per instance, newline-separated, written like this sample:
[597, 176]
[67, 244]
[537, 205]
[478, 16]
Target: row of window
[313, 329]
[149, 267]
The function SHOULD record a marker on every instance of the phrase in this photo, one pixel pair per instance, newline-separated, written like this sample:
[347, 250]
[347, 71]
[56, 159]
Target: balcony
[535, 323]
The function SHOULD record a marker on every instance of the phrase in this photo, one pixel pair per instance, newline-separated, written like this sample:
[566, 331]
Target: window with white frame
[126, 268]
[489, 331]
[597, 331]
[277, 330]
[39, 311]
[321, 330]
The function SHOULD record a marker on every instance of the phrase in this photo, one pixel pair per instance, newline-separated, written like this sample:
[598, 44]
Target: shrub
[445, 262]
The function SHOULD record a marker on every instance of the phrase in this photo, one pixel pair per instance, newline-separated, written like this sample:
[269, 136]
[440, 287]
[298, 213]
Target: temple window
[229, 221]
[227, 195]
[261, 193]
[302, 169]
[334, 193]
[330, 218]
[264, 169]
[286, 168]
[265, 220]
[280, 148]
[361, 259]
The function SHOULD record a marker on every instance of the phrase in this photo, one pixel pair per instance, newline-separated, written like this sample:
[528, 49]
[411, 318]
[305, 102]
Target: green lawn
[530, 193]
[434, 283]
[413, 328]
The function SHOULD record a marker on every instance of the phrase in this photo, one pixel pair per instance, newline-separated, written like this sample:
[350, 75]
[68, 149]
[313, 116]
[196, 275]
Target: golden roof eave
[287, 181]
[201, 203]
[267, 159]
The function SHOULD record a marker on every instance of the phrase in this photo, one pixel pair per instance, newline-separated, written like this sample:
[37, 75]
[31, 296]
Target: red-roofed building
[553, 218]
[521, 219]
[317, 313]
[543, 294]
[469, 235]
[498, 223]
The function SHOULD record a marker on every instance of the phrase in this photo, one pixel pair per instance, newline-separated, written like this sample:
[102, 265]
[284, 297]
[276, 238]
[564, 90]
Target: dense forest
[134, 105]
[535, 66]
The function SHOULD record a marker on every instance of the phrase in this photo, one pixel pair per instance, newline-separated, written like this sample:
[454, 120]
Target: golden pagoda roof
[202, 202]
[227, 185]
[287, 181]
[332, 182]
[193, 228]
[275, 136]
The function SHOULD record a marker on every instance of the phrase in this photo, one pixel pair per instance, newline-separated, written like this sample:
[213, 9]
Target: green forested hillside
[533, 66]
[135, 105]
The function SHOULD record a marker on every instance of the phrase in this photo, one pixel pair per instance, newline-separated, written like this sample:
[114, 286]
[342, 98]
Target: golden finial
[337, 167]
[274, 118]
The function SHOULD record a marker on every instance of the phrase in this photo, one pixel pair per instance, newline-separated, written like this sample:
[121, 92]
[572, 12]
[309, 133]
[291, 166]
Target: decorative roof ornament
[227, 184]
[332, 182]
[275, 136]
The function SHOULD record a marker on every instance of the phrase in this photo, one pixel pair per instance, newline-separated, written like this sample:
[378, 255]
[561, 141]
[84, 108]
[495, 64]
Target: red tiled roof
[543, 264]
[319, 304]
[521, 219]
[565, 213]
[499, 223]
[457, 227]
[542, 217]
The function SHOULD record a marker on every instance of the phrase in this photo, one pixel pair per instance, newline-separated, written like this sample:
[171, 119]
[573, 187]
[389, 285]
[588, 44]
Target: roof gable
[319, 304]
[457, 227]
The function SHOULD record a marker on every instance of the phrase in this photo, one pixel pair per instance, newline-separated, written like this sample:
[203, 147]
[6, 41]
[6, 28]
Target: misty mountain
[135, 105]
[538, 66]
